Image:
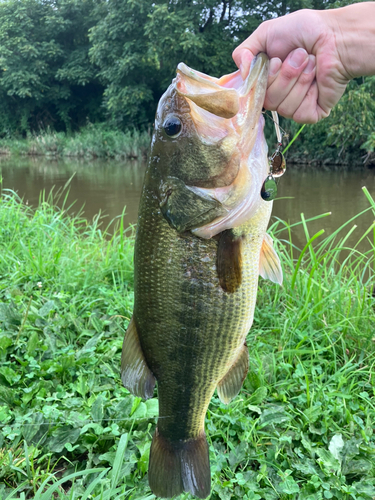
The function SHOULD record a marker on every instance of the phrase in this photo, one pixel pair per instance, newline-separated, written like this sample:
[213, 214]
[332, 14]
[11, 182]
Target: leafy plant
[302, 427]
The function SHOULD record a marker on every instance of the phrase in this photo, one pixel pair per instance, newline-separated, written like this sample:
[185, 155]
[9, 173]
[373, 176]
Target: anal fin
[269, 262]
[135, 374]
[229, 261]
[230, 385]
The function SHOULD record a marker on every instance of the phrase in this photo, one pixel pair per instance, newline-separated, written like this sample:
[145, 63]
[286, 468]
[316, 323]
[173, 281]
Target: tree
[65, 61]
[138, 44]
[44, 64]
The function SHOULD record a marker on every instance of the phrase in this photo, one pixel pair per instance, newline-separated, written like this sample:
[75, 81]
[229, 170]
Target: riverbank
[302, 426]
[101, 141]
[92, 141]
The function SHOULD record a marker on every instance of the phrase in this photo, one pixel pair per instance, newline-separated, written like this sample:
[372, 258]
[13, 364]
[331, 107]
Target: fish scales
[192, 318]
[199, 251]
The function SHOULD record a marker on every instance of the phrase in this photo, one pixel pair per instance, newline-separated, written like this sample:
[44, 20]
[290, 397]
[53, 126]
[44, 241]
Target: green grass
[92, 141]
[301, 428]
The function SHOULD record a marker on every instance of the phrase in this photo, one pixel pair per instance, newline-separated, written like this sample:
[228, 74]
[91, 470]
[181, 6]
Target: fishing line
[276, 162]
[280, 132]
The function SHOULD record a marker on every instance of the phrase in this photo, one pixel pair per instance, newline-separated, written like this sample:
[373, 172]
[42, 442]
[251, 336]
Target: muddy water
[108, 187]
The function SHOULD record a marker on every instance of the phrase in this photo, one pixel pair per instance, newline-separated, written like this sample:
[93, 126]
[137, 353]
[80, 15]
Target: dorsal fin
[269, 262]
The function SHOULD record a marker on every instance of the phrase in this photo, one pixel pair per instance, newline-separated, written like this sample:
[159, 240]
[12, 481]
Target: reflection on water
[315, 192]
[110, 186]
[102, 186]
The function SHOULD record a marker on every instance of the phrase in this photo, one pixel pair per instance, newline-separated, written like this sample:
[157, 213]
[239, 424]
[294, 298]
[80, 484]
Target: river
[108, 187]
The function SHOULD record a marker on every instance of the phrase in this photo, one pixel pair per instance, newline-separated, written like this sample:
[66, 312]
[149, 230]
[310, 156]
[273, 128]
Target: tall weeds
[92, 141]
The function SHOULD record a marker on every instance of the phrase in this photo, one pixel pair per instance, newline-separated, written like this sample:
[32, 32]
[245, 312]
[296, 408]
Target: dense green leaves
[301, 427]
[65, 61]
[138, 45]
[44, 64]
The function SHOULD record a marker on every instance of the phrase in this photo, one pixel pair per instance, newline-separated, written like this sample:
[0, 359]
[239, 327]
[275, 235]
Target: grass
[92, 141]
[301, 428]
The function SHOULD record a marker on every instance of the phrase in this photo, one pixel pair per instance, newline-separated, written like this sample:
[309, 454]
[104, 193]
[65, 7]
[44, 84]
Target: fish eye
[172, 126]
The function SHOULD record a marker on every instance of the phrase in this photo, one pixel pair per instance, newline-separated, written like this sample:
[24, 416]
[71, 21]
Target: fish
[200, 246]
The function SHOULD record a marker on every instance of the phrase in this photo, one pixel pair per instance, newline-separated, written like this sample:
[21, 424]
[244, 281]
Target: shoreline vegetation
[91, 141]
[300, 429]
[96, 141]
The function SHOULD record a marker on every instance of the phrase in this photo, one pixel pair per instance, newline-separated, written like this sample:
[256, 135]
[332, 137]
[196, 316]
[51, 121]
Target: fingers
[275, 37]
[309, 111]
[301, 92]
[275, 65]
[281, 83]
[303, 82]
[245, 57]
[292, 89]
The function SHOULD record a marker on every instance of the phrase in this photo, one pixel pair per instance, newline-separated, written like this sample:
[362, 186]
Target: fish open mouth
[230, 109]
[220, 96]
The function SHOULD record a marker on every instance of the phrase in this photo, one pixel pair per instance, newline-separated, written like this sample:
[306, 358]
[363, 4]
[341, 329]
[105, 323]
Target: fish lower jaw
[242, 198]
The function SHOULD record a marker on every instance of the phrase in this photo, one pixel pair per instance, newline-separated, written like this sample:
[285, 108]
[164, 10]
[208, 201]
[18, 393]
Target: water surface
[109, 186]
[313, 192]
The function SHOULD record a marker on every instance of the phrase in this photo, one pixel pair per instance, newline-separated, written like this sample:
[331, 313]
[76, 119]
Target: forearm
[354, 28]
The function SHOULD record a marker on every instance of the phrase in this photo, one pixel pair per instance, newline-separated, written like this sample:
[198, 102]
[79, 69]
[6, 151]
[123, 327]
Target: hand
[307, 76]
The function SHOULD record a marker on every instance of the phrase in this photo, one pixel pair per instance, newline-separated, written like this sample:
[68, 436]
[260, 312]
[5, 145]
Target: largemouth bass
[200, 246]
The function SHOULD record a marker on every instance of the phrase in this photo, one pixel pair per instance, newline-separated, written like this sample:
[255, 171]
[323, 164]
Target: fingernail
[275, 65]
[297, 58]
[310, 65]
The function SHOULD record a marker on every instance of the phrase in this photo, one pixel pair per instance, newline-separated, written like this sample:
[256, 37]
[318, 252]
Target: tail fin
[177, 466]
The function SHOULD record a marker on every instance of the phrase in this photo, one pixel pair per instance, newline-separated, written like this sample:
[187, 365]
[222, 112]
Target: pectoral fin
[135, 374]
[231, 384]
[229, 261]
[269, 262]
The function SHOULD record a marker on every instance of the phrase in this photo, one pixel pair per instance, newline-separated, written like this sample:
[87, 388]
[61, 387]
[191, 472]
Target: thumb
[245, 53]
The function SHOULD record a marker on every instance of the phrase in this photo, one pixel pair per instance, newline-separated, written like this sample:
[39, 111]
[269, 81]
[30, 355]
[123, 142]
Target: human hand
[306, 76]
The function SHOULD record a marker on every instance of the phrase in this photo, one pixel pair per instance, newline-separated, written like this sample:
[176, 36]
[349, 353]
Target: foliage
[147, 41]
[46, 77]
[63, 61]
[92, 141]
[301, 428]
[149, 38]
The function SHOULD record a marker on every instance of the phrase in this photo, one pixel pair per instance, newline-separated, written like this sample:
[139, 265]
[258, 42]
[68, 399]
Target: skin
[313, 55]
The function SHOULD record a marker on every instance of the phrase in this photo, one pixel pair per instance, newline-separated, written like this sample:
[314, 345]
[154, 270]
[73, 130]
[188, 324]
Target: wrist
[354, 30]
